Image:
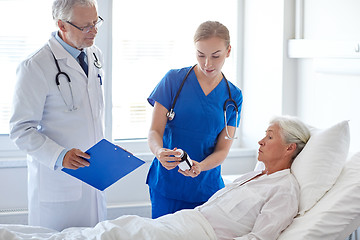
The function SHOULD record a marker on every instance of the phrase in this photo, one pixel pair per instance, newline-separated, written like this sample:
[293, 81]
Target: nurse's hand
[194, 171]
[167, 158]
[74, 159]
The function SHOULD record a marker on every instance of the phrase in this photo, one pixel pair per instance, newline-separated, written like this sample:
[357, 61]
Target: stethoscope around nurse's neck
[228, 102]
[71, 107]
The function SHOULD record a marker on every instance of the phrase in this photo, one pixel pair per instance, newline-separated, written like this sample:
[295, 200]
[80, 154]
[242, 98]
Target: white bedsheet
[126, 227]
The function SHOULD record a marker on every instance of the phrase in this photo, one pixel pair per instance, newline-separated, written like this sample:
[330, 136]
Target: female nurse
[198, 126]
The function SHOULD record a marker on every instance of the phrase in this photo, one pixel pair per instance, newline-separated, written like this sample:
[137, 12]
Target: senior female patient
[258, 205]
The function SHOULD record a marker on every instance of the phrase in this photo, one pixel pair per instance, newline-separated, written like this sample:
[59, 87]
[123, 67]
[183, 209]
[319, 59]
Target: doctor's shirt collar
[73, 51]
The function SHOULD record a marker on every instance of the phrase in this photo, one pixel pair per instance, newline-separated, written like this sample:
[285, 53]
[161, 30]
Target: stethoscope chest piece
[170, 115]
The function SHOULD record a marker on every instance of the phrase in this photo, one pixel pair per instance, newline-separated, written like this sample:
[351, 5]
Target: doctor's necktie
[82, 62]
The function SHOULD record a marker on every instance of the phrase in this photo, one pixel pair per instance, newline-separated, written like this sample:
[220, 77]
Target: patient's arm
[274, 217]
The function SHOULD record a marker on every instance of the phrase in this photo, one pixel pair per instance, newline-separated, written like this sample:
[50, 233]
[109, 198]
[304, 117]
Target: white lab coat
[42, 126]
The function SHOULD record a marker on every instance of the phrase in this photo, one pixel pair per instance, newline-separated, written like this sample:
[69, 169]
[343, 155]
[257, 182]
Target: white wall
[314, 89]
[269, 86]
[327, 96]
[104, 42]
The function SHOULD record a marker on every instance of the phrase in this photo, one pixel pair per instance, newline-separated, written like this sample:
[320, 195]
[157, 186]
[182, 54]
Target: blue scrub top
[198, 121]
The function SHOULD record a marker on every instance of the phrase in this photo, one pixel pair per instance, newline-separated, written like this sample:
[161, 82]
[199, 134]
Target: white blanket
[186, 224]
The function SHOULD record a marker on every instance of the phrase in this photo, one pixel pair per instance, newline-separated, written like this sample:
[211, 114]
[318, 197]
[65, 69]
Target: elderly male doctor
[58, 114]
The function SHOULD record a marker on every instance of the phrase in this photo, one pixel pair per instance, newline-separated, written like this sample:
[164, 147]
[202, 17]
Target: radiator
[14, 216]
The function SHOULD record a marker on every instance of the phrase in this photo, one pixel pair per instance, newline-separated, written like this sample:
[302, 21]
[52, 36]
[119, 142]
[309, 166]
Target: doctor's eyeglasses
[88, 28]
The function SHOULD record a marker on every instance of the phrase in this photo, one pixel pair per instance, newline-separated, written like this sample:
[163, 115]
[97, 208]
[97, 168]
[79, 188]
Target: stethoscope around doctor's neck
[71, 106]
[228, 102]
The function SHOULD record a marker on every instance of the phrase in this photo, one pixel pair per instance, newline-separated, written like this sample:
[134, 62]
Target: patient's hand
[194, 171]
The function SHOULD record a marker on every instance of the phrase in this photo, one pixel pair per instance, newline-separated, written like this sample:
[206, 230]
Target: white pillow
[337, 214]
[319, 164]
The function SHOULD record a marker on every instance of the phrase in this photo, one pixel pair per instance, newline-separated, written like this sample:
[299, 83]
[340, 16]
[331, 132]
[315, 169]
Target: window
[150, 38]
[23, 31]
[18, 39]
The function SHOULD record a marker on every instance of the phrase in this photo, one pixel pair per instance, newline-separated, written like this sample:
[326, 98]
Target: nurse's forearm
[213, 160]
[155, 141]
[220, 153]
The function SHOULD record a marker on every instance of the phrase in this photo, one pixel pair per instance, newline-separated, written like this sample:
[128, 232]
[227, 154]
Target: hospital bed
[329, 200]
[337, 214]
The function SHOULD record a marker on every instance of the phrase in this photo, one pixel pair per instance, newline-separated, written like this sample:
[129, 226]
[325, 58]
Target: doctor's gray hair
[293, 131]
[210, 29]
[63, 9]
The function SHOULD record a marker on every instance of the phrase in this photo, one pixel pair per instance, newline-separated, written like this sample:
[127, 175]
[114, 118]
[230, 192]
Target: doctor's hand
[194, 171]
[168, 158]
[74, 159]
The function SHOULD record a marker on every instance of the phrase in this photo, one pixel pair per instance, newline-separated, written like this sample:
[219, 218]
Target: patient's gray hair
[293, 131]
[63, 9]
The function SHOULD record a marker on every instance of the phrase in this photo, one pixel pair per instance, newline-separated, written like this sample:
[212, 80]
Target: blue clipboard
[108, 163]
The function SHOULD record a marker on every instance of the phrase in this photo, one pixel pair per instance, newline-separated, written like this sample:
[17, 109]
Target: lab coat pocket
[241, 204]
[57, 186]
